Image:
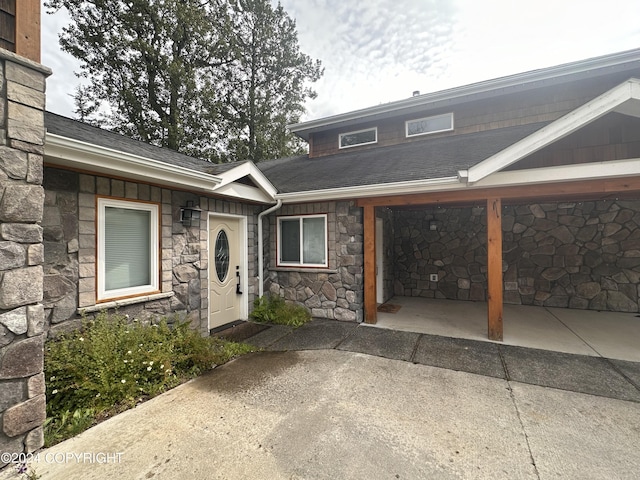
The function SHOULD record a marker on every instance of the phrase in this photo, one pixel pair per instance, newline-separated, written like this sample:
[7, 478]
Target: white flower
[123, 381]
[81, 339]
[129, 352]
[98, 395]
[53, 392]
[148, 369]
[150, 363]
[161, 366]
[53, 377]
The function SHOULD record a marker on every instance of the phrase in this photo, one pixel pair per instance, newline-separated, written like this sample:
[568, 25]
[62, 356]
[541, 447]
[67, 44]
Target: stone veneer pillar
[22, 329]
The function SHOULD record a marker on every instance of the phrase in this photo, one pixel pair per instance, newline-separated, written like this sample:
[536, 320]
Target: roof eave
[303, 129]
[363, 191]
[72, 153]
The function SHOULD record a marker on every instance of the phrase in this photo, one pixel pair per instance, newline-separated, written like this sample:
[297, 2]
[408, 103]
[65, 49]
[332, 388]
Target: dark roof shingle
[430, 158]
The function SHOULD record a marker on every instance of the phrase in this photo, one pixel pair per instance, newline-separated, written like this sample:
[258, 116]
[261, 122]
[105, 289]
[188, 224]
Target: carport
[494, 199]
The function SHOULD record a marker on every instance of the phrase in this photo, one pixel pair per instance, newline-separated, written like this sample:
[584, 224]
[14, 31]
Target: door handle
[238, 291]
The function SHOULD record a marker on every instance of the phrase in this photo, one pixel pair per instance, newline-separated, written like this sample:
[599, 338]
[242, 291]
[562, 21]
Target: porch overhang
[493, 197]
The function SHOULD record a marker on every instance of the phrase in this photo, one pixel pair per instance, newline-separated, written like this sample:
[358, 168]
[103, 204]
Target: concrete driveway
[330, 414]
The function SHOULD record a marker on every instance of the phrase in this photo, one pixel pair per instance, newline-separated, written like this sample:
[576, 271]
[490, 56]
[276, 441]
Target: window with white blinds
[127, 248]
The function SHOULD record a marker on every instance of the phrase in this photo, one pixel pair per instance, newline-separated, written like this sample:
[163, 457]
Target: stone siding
[583, 255]
[70, 249]
[337, 291]
[22, 332]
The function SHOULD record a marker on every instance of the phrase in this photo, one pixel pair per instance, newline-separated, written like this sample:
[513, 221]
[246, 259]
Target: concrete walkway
[333, 400]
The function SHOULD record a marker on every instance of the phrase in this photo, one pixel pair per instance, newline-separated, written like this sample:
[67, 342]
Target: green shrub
[273, 309]
[110, 365]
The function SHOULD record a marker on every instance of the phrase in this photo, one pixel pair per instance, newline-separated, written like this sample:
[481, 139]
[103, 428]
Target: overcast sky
[377, 51]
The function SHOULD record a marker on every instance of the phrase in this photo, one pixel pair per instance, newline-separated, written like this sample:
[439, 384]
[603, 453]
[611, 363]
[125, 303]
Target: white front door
[225, 270]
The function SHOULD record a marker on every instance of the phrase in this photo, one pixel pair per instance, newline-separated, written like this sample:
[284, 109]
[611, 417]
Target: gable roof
[428, 159]
[625, 99]
[70, 143]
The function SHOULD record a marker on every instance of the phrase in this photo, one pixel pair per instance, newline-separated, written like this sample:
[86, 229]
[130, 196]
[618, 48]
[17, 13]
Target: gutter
[303, 129]
[261, 246]
[395, 188]
[64, 151]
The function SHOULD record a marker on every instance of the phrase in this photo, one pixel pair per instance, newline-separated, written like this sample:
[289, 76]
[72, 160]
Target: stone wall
[335, 292]
[583, 255]
[22, 387]
[70, 253]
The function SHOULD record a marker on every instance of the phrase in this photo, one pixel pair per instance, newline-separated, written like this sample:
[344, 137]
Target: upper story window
[128, 246]
[360, 137]
[427, 125]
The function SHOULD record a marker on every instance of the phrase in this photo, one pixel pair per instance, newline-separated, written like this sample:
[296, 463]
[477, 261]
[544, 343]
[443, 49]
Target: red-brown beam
[494, 268]
[28, 29]
[370, 305]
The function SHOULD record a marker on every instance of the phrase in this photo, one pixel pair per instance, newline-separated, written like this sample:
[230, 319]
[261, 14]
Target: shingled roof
[430, 158]
[74, 129]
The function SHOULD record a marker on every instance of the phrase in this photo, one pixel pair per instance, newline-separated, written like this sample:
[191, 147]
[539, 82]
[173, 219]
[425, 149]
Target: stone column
[22, 329]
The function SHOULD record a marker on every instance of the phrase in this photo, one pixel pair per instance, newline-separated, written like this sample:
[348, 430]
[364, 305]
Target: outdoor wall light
[189, 215]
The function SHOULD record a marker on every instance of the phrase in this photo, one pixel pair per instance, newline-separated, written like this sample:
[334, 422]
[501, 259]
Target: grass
[112, 364]
[273, 309]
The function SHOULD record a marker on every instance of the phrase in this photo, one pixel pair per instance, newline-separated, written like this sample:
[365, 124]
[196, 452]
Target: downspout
[260, 245]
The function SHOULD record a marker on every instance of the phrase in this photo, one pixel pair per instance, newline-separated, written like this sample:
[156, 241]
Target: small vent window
[361, 137]
[427, 125]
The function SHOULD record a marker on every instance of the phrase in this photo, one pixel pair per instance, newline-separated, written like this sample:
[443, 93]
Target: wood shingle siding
[544, 104]
[8, 25]
[612, 137]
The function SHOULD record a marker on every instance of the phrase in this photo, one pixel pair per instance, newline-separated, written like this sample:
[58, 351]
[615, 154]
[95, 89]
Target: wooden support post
[370, 305]
[28, 29]
[494, 268]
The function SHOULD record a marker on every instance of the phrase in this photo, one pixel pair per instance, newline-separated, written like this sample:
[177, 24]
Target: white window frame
[154, 249]
[301, 263]
[375, 130]
[406, 125]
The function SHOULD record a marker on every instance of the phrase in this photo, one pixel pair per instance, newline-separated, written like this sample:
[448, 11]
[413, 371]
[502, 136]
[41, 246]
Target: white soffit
[66, 152]
[247, 169]
[625, 99]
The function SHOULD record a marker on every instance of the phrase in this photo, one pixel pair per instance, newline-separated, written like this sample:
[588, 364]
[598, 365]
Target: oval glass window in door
[222, 255]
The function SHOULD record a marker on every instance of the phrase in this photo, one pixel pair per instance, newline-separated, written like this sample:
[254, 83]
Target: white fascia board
[564, 173]
[248, 168]
[72, 153]
[303, 129]
[378, 190]
[572, 121]
[244, 192]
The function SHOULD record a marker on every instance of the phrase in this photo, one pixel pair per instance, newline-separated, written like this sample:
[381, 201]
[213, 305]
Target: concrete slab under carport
[584, 332]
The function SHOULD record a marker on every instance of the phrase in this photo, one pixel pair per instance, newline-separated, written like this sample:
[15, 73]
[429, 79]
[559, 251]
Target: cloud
[382, 50]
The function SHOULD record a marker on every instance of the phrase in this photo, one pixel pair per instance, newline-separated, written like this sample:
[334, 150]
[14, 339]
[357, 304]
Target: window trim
[102, 294]
[375, 130]
[406, 125]
[300, 264]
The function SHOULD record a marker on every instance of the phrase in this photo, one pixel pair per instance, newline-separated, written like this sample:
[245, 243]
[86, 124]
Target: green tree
[267, 83]
[164, 72]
